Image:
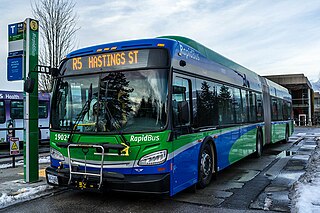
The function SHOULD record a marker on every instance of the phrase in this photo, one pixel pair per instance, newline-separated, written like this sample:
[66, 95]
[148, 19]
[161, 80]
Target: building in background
[316, 109]
[302, 97]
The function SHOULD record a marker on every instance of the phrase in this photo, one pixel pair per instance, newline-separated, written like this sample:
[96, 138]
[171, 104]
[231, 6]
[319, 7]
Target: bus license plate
[53, 179]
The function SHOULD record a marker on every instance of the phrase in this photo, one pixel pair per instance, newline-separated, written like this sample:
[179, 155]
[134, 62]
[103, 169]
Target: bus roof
[212, 55]
[123, 45]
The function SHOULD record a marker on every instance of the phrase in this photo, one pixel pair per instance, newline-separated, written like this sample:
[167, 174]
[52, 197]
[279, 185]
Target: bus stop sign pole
[31, 134]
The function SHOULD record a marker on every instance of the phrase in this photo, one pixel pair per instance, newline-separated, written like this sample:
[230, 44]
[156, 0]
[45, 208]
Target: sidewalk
[14, 190]
[306, 191]
[285, 173]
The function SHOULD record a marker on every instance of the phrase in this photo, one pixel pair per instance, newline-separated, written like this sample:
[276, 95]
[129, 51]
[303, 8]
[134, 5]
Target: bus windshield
[128, 101]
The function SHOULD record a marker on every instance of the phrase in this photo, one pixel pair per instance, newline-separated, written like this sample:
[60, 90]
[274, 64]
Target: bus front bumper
[152, 183]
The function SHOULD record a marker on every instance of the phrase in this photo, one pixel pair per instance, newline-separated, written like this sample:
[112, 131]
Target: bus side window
[16, 110]
[43, 109]
[252, 107]
[280, 108]
[259, 107]
[225, 107]
[274, 109]
[285, 110]
[245, 108]
[181, 102]
[2, 113]
[205, 103]
[237, 105]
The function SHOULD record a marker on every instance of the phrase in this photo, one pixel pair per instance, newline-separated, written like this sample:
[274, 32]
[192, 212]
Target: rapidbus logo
[144, 138]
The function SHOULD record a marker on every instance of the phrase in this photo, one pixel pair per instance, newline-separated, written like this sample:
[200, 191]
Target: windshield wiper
[85, 109]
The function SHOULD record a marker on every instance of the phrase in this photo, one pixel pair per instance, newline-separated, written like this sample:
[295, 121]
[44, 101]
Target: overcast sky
[266, 36]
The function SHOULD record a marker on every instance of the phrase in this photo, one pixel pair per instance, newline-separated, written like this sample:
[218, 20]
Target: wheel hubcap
[259, 147]
[206, 164]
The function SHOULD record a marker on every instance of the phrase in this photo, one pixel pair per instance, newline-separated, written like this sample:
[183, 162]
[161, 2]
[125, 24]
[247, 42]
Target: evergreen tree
[225, 102]
[206, 106]
[117, 99]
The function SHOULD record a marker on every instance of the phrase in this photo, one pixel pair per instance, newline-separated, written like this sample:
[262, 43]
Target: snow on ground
[16, 191]
[9, 165]
[309, 197]
[306, 195]
[23, 194]
[43, 159]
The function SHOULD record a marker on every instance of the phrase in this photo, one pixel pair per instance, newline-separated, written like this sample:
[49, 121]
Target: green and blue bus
[158, 116]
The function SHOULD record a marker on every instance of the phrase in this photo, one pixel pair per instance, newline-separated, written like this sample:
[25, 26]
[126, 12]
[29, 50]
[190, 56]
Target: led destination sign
[117, 61]
[106, 60]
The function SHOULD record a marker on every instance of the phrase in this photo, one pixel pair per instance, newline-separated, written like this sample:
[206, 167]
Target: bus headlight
[153, 158]
[56, 154]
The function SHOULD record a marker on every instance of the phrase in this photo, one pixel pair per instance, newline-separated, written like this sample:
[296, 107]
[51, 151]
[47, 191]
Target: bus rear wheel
[259, 145]
[206, 166]
[286, 137]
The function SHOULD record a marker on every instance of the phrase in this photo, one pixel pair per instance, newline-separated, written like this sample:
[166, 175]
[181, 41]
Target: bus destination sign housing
[120, 60]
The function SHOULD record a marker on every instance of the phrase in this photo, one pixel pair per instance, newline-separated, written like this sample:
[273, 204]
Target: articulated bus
[158, 116]
[12, 114]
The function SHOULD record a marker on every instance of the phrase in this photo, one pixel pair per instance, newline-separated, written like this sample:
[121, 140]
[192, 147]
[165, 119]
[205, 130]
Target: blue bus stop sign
[14, 68]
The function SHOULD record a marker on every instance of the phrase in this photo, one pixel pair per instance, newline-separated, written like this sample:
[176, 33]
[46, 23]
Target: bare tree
[57, 29]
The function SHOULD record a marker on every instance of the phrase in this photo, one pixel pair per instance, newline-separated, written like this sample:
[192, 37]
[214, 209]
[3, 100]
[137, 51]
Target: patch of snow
[309, 197]
[267, 204]
[306, 198]
[22, 194]
[44, 159]
[9, 165]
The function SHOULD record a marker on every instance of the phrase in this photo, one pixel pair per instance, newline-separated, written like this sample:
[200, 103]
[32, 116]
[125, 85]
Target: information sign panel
[15, 51]
[14, 68]
[14, 146]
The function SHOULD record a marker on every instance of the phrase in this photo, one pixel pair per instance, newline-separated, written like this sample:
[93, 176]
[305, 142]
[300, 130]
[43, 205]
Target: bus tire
[286, 136]
[259, 144]
[206, 165]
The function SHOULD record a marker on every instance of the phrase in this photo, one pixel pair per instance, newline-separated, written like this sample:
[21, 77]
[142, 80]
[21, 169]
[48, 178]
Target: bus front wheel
[206, 166]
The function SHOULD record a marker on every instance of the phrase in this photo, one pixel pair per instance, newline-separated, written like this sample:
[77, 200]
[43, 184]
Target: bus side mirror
[28, 85]
[183, 112]
[54, 72]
